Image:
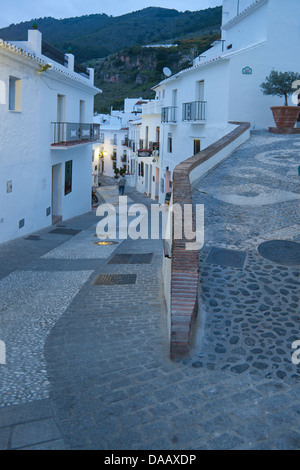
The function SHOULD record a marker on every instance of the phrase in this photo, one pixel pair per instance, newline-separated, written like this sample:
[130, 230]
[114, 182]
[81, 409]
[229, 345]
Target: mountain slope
[94, 36]
[132, 72]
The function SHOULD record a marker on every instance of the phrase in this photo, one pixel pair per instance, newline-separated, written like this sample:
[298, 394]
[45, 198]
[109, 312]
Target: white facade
[194, 108]
[114, 149]
[37, 186]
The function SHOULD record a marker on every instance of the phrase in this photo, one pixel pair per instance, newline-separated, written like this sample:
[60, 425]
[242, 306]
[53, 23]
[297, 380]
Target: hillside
[97, 36]
[132, 72]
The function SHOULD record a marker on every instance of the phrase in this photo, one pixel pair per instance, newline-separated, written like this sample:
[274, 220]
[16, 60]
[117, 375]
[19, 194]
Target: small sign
[247, 71]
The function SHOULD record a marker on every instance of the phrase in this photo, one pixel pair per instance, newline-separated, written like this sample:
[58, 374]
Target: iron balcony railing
[54, 54]
[62, 59]
[81, 70]
[114, 157]
[70, 133]
[113, 142]
[194, 111]
[169, 114]
[151, 148]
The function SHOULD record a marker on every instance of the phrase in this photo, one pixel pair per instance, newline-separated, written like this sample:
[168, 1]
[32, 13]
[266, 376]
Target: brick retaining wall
[185, 274]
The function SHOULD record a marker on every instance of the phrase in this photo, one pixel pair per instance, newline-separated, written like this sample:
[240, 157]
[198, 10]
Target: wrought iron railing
[81, 70]
[194, 111]
[61, 58]
[70, 133]
[169, 114]
[54, 54]
[113, 142]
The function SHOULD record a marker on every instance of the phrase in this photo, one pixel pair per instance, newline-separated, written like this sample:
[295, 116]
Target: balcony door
[61, 118]
[200, 90]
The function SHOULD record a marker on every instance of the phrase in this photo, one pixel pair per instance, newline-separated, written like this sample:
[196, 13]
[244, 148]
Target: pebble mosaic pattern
[251, 316]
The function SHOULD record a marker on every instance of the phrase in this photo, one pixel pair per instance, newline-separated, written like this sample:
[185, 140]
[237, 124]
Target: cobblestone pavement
[87, 364]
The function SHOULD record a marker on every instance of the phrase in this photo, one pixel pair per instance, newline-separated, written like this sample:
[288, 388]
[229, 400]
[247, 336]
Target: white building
[46, 136]
[113, 151]
[194, 108]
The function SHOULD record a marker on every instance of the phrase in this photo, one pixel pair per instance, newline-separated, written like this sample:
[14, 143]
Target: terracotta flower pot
[285, 116]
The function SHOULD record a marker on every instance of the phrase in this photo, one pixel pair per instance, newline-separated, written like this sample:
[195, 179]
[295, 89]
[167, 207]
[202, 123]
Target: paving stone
[4, 438]
[35, 432]
[109, 381]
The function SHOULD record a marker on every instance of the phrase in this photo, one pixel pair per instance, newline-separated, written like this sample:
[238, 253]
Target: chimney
[35, 41]
[71, 60]
[91, 74]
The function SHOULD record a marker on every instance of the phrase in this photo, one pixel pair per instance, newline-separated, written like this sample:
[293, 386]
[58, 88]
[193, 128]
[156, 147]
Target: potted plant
[280, 84]
[116, 171]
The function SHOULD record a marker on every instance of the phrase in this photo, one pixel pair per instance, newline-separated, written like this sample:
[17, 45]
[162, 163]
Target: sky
[15, 11]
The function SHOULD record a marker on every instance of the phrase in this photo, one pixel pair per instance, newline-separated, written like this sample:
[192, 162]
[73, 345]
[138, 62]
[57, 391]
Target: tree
[279, 84]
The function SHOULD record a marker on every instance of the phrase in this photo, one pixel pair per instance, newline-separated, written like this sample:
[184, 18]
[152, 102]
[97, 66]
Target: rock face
[135, 70]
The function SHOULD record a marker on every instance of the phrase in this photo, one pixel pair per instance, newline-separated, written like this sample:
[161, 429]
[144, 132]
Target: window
[15, 93]
[147, 137]
[61, 108]
[81, 111]
[68, 177]
[157, 134]
[169, 143]
[174, 97]
[200, 90]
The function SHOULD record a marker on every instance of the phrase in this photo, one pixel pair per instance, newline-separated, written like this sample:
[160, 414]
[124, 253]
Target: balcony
[126, 142]
[114, 157]
[153, 107]
[151, 150]
[124, 159]
[194, 111]
[69, 134]
[113, 142]
[169, 114]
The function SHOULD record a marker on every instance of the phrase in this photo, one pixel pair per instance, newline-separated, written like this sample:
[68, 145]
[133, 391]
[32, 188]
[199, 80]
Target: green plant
[279, 84]
[122, 171]
[116, 172]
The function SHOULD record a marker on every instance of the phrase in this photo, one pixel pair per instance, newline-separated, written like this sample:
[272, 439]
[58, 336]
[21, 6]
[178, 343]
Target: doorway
[56, 193]
[197, 146]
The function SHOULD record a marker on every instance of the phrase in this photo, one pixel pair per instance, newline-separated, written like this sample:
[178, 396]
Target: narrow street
[85, 325]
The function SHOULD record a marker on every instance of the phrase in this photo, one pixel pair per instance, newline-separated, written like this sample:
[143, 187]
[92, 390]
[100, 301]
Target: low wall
[184, 279]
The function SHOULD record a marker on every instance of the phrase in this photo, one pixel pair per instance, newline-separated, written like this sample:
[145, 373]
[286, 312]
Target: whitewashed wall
[26, 157]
